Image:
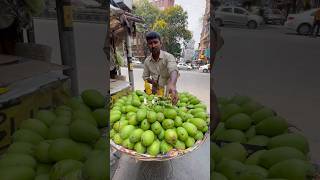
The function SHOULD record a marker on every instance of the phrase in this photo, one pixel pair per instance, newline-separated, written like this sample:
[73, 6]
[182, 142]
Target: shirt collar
[161, 56]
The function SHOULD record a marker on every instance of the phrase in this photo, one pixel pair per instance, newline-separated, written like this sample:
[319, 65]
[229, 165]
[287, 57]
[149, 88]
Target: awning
[119, 21]
[119, 18]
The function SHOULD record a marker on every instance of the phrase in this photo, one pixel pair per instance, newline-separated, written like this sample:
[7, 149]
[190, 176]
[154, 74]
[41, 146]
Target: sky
[195, 10]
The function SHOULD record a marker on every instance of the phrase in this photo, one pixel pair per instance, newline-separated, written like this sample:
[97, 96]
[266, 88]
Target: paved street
[278, 69]
[197, 83]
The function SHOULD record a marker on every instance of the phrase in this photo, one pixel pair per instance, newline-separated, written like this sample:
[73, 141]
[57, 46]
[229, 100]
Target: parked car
[273, 16]
[194, 66]
[204, 68]
[302, 22]
[184, 66]
[238, 16]
[136, 61]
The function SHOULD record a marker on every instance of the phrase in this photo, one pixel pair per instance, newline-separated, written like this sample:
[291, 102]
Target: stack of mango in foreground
[151, 125]
[63, 143]
[274, 151]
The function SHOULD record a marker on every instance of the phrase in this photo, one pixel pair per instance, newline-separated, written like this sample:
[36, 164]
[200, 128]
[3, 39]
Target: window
[239, 11]
[229, 10]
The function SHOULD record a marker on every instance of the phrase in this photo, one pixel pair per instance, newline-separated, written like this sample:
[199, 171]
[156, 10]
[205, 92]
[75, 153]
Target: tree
[175, 30]
[148, 12]
[170, 23]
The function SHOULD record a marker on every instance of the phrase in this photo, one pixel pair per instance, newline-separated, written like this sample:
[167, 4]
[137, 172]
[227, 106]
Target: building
[315, 3]
[204, 45]
[138, 46]
[188, 51]
[162, 4]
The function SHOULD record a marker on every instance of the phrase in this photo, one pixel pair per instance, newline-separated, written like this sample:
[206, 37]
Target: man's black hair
[153, 35]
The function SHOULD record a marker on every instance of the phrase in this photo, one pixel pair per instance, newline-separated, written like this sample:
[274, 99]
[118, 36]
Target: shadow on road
[262, 27]
[296, 34]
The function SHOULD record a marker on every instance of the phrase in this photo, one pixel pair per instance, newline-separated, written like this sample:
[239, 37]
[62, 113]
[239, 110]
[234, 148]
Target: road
[278, 69]
[197, 83]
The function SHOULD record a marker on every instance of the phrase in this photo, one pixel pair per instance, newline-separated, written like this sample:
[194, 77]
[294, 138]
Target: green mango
[165, 147]
[154, 148]
[139, 148]
[147, 138]
[145, 125]
[135, 136]
[156, 128]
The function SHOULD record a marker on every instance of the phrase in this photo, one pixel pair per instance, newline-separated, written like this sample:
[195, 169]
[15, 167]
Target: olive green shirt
[160, 70]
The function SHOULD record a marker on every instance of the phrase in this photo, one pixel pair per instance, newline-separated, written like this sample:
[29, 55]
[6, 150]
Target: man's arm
[174, 74]
[146, 72]
[173, 78]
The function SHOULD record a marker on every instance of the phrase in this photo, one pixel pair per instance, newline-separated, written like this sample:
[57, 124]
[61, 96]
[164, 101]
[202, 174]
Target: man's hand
[171, 86]
[174, 94]
[154, 85]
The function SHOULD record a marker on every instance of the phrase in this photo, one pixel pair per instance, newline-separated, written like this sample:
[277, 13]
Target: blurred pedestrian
[316, 24]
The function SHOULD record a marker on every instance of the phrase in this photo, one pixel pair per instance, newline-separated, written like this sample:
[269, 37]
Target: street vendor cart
[124, 161]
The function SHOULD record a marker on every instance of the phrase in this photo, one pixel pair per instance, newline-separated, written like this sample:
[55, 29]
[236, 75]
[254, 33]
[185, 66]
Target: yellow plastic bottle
[147, 88]
[160, 92]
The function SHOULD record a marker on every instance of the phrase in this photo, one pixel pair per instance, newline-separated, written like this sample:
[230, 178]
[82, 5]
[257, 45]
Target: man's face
[154, 45]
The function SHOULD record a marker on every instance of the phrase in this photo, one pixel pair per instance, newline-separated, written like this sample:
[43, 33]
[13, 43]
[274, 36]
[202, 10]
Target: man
[217, 43]
[316, 23]
[160, 68]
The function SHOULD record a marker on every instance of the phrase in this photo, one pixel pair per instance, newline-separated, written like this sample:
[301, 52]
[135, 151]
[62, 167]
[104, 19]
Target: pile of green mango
[150, 124]
[246, 121]
[233, 162]
[284, 154]
[60, 143]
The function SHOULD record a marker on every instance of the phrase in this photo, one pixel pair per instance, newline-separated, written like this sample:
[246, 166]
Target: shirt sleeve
[171, 64]
[146, 72]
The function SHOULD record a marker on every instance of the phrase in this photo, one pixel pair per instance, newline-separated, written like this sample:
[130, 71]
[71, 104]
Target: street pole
[30, 33]
[67, 46]
[129, 56]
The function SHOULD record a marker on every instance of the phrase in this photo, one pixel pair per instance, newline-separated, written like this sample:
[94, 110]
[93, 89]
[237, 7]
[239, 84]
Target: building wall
[138, 46]
[163, 4]
[138, 49]
[205, 37]
[315, 3]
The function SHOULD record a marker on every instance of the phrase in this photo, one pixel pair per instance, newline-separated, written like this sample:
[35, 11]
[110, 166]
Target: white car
[301, 23]
[136, 61]
[237, 16]
[204, 68]
[184, 66]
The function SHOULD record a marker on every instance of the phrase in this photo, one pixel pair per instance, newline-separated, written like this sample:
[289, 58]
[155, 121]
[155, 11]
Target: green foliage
[171, 23]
